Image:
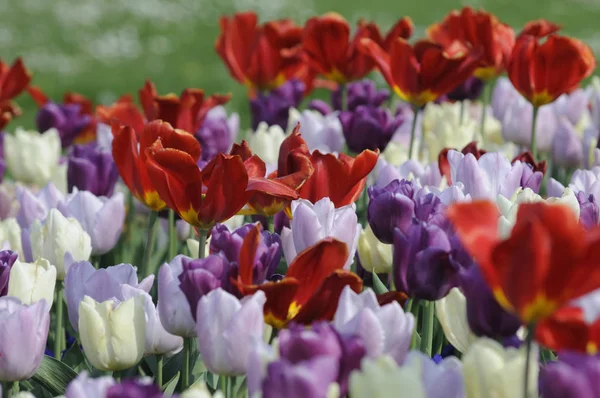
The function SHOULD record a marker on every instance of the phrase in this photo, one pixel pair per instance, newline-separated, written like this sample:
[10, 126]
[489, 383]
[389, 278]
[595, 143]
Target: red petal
[15, 81]
[248, 253]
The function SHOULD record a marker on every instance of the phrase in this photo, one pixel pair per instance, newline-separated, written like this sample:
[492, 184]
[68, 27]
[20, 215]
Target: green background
[104, 48]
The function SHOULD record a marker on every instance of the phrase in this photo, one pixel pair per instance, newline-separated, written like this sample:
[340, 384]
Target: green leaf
[169, 388]
[378, 285]
[75, 359]
[54, 375]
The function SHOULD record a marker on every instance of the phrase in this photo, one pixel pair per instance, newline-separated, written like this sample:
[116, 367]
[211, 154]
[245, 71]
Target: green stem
[427, 334]
[201, 242]
[528, 344]
[172, 235]
[185, 373]
[159, 371]
[58, 337]
[412, 133]
[533, 125]
[409, 305]
[485, 97]
[149, 243]
[223, 384]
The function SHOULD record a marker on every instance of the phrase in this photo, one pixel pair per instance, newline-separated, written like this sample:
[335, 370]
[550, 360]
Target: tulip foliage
[438, 237]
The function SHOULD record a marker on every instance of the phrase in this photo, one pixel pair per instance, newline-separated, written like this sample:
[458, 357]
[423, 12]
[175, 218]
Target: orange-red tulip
[566, 329]
[311, 289]
[479, 31]
[13, 80]
[548, 260]
[543, 72]
[130, 156]
[421, 73]
[402, 29]
[539, 28]
[123, 111]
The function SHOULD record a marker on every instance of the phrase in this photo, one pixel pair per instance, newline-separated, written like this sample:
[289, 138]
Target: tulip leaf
[169, 388]
[54, 375]
[75, 358]
[378, 285]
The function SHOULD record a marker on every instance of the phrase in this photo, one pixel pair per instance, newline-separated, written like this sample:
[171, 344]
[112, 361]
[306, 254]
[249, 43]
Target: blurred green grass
[106, 48]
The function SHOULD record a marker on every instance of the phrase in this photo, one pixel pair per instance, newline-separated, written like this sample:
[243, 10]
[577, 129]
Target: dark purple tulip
[531, 179]
[513, 341]
[391, 207]
[65, 118]
[308, 379]
[273, 108]
[430, 209]
[470, 89]
[574, 375]
[359, 93]
[297, 343]
[353, 352]
[201, 276]
[217, 133]
[423, 264]
[90, 169]
[280, 220]
[485, 316]
[7, 259]
[134, 389]
[588, 216]
[268, 253]
[320, 106]
[368, 127]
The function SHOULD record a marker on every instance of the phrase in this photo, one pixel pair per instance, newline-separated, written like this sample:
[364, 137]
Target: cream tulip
[374, 255]
[10, 236]
[451, 311]
[265, 143]
[382, 378]
[112, 334]
[31, 282]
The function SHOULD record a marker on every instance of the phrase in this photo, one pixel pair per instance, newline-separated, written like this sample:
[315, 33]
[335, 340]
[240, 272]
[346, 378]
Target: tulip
[410, 170]
[395, 200]
[90, 169]
[217, 133]
[32, 158]
[374, 255]
[311, 378]
[265, 143]
[363, 92]
[313, 222]
[10, 236]
[101, 285]
[134, 389]
[112, 334]
[225, 341]
[200, 390]
[57, 236]
[491, 369]
[7, 260]
[470, 90]
[31, 282]
[67, 119]
[574, 108]
[451, 312]
[369, 127]
[516, 124]
[589, 212]
[274, 108]
[23, 332]
[35, 206]
[85, 386]
[13, 80]
[324, 133]
[102, 218]
[503, 95]
[574, 375]
[361, 315]
[567, 148]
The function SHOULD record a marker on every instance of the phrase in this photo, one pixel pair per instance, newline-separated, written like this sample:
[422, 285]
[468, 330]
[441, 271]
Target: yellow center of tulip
[153, 201]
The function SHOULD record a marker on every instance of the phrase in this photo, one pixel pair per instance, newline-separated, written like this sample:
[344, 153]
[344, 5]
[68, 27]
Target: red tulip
[311, 289]
[123, 111]
[566, 329]
[402, 29]
[539, 28]
[548, 260]
[13, 80]
[543, 72]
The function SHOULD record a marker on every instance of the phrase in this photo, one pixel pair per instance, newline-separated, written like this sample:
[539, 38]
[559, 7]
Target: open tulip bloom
[384, 216]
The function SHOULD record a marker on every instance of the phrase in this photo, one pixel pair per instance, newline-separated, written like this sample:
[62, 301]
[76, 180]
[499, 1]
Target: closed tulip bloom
[374, 255]
[217, 132]
[227, 328]
[265, 142]
[503, 96]
[101, 217]
[395, 201]
[567, 148]
[574, 375]
[363, 92]
[7, 260]
[23, 331]
[369, 127]
[85, 386]
[90, 169]
[112, 334]
[31, 282]
[31, 157]
[320, 132]
[491, 369]
[101, 285]
[451, 312]
[57, 236]
[274, 108]
[516, 124]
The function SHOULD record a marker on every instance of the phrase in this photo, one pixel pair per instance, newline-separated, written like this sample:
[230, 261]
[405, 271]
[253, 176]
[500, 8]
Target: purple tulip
[268, 252]
[567, 148]
[423, 175]
[485, 316]
[589, 212]
[320, 106]
[273, 108]
[443, 379]
[35, 206]
[572, 106]
[66, 118]
[23, 335]
[529, 178]
[173, 307]
[89, 169]
[297, 343]
[217, 132]
[574, 375]
[134, 389]
[470, 89]
[423, 264]
[7, 259]
[308, 379]
[369, 127]
[85, 386]
[359, 93]
[391, 207]
[502, 95]
[280, 220]
[201, 276]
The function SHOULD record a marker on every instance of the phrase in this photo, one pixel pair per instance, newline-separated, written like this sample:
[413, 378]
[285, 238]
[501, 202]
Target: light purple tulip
[103, 284]
[486, 177]
[323, 133]
[23, 335]
[586, 181]
[35, 206]
[504, 93]
[101, 217]
[516, 124]
[104, 137]
[173, 307]
[313, 222]
[85, 386]
[227, 329]
[572, 106]
[423, 175]
[443, 380]
[385, 330]
[567, 148]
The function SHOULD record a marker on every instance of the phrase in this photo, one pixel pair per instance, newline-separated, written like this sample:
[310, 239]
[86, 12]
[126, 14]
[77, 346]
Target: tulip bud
[374, 255]
[265, 143]
[451, 311]
[31, 282]
[273, 108]
[217, 132]
[91, 170]
[85, 386]
[57, 236]
[362, 92]
[369, 127]
[391, 207]
[112, 334]
[23, 335]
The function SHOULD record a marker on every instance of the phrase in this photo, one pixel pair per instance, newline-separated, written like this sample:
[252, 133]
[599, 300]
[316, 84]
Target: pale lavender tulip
[423, 175]
[384, 329]
[323, 133]
[586, 181]
[567, 148]
[443, 380]
[104, 137]
[85, 386]
[23, 335]
[572, 106]
[35, 206]
[504, 93]
[103, 284]
[173, 307]
[516, 124]
[227, 329]
[101, 217]
[313, 222]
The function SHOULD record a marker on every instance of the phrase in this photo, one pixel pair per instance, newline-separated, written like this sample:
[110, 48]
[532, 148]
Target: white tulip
[31, 282]
[265, 143]
[10, 236]
[451, 311]
[382, 378]
[374, 255]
